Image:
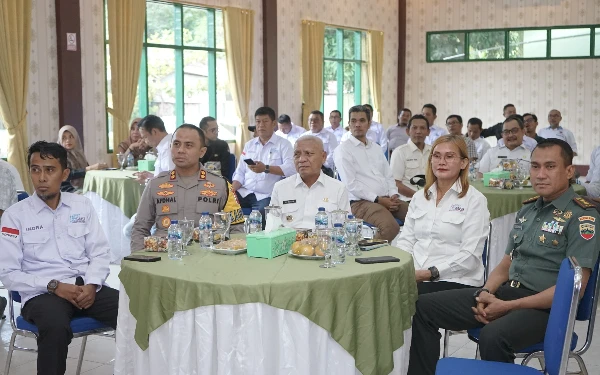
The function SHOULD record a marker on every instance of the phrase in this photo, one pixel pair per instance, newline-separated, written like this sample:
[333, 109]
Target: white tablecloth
[112, 220]
[501, 227]
[252, 338]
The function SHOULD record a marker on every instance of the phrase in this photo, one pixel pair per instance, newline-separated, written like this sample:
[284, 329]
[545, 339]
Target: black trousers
[52, 315]
[439, 286]
[498, 341]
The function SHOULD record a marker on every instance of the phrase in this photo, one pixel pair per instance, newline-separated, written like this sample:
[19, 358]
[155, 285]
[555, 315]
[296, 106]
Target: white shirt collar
[457, 187]
[299, 181]
[164, 143]
[356, 142]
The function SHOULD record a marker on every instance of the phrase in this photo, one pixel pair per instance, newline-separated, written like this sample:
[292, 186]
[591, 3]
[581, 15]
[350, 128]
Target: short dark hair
[418, 117]
[48, 150]
[265, 111]
[566, 152]
[205, 120]
[404, 110]
[507, 106]
[459, 118]
[475, 121]
[318, 113]
[192, 127]
[359, 108]
[430, 106]
[516, 118]
[284, 119]
[532, 115]
[152, 122]
[336, 111]
[370, 107]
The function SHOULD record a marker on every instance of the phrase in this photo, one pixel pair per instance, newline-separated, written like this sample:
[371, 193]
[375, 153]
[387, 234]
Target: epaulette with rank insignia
[531, 200]
[583, 203]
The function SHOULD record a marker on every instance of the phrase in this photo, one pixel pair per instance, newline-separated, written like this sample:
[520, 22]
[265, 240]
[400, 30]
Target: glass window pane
[447, 47]
[570, 42]
[487, 45]
[597, 43]
[349, 89]
[161, 85]
[330, 43]
[349, 47]
[329, 87]
[195, 85]
[195, 27]
[527, 43]
[219, 29]
[160, 23]
[226, 111]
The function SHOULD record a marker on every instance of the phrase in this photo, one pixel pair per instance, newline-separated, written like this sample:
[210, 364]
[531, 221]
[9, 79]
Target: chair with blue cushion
[556, 341]
[81, 327]
[22, 195]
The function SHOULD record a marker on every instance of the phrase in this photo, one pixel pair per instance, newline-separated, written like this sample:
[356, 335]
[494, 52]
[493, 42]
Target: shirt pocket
[290, 212]
[274, 156]
[421, 226]
[76, 237]
[34, 242]
[451, 228]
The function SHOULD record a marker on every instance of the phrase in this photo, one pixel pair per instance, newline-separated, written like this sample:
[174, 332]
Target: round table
[219, 314]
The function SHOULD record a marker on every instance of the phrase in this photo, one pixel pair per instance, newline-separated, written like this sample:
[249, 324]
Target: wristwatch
[52, 285]
[479, 291]
[267, 170]
[435, 274]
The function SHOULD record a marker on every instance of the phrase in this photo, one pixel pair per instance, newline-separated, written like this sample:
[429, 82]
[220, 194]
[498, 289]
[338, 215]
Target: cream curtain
[15, 39]
[126, 20]
[313, 35]
[239, 48]
[375, 69]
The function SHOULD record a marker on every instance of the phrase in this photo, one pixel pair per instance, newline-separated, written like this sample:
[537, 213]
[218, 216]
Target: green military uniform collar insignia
[583, 203]
[561, 202]
[531, 200]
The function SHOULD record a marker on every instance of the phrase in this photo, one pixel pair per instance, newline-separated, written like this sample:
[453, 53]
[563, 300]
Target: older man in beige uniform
[184, 192]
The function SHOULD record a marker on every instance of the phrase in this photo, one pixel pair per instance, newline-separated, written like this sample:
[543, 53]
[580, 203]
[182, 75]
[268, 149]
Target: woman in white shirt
[447, 222]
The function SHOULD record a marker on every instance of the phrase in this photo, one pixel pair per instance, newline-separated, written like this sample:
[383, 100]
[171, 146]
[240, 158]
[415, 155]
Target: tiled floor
[99, 353]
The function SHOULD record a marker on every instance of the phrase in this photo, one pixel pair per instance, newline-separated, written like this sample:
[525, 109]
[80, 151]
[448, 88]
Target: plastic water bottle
[339, 245]
[130, 160]
[205, 228]
[174, 244]
[321, 219]
[174, 232]
[255, 220]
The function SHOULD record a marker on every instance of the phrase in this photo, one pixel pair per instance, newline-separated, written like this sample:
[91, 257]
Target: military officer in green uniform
[184, 192]
[513, 306]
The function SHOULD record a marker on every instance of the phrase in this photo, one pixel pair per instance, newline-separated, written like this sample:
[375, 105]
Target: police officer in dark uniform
[184, 192]
[217, 153]
[513, 306]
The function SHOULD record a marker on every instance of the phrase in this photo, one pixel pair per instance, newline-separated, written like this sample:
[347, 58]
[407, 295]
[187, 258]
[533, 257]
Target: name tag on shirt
[289, 202]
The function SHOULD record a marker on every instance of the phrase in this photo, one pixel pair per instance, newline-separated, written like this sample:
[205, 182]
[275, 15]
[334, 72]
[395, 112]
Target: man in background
[454, 124]
[335, 120]
[8, 197]
[288, 130]
[398, 135]
[512, 148]
[531, 122]
[430, 113]
[377, 133]
[316, 122]
[557, 131]
[216, 158]
[474, 128]
[152, 129]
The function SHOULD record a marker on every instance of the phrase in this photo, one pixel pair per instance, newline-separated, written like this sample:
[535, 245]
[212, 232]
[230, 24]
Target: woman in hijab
[134, 144]
[76, 161]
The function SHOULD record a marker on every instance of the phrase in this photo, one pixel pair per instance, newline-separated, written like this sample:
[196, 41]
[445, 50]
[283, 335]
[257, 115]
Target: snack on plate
[233, 244]
[495, 182]
[196, 235]
[301, 234]
[307, 247]
[154, 243]
[507, 184]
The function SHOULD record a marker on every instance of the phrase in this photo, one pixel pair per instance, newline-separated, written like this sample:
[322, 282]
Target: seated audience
[335, 119]
[216, 158]
[377, 130]
[8, 197]
[592, 180]
[184, 192]
[56, 256]
[153, 132]
[315, 123]
[301, 195]
[474, 128]
[15, 173]
[77, 164]
[531, 122]
[513, 147]
[271, 159]
[430, 113]
[454, 124]
[366, 174]
[398, 135]
[408, 163]
[447, 223]
[513, 307]
[288, 130]
[557, 131]
[134, 144]
[496, 130]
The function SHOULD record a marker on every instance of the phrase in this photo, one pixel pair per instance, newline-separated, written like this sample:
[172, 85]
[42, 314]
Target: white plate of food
[306, 249]
[234, 246]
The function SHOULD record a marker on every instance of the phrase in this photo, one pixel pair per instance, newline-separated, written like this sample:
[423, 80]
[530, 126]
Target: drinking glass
[338, 216]
[324, 241]
[222, 221]
[174, 249]
[121, 160]
[187, 230]
[353, 228]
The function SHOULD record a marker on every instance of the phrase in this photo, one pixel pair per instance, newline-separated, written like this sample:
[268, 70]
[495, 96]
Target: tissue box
[497, 175]
[146, 165]
[270, 245]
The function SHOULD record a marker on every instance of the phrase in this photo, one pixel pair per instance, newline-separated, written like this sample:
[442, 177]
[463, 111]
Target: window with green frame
[344, 65]
[559, 42]
[183, 73]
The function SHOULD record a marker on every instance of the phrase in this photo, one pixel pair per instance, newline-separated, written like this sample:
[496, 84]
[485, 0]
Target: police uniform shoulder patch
[531, 200]
[583, 203]
[173, 175]
[202, 175]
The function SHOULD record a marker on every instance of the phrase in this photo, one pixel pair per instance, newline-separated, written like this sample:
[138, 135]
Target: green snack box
[497, 175]
[270, 245]
[146, 165]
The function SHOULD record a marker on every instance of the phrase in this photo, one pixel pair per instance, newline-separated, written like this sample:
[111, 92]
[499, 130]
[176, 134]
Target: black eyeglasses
[512, 131]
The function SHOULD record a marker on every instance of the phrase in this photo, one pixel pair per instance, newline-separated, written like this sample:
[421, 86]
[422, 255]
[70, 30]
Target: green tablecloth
[365, 308]
[117, 187]
[503, 202]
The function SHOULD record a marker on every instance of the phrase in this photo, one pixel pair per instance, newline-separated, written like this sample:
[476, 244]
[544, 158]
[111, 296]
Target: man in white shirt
[301, 195]
[398, 135]
[316, 122]
[56, 256]
[152, 129]
[366, 173]
[592, 180]
[265, 160]
[377, 131]
[288, 130]
[557, 131]
[454, 123]
[410, 160]
[430, 112]
[8, 197]
[17, 177]
[513, 147]
[474, 128]
[335, 126]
